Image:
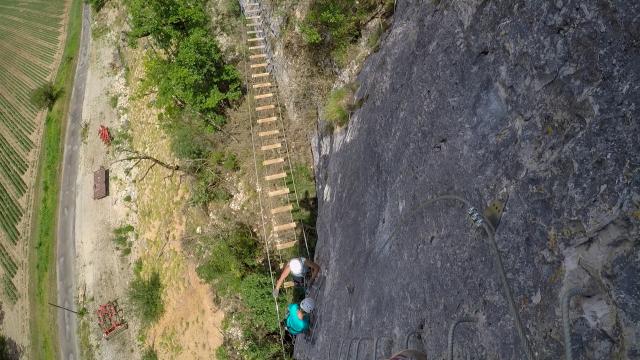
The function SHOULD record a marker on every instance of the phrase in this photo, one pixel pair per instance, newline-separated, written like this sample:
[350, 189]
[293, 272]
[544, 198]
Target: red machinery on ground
[110, 319]
[104, 134]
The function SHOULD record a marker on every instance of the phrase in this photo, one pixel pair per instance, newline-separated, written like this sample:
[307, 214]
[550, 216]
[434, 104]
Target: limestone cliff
[527, 105]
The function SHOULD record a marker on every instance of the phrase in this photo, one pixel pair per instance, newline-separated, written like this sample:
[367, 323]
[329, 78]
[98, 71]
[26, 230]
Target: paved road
[66, 250]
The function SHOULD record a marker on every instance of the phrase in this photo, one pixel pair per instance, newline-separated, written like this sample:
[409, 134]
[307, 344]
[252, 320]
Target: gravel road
[66, 250]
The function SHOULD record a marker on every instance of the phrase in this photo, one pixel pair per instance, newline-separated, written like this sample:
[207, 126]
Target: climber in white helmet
[299, 268]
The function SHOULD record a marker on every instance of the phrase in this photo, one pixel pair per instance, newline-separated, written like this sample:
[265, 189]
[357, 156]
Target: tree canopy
[196, 77]
[190, 73]
[166, 21]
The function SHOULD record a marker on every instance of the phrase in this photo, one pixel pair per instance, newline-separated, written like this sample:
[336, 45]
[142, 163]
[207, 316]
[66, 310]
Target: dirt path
[67, 333]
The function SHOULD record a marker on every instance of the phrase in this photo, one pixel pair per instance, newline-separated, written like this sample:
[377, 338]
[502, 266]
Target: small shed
[100, 183]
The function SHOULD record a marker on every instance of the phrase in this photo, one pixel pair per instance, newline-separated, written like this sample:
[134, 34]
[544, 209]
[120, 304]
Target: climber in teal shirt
[298, 318]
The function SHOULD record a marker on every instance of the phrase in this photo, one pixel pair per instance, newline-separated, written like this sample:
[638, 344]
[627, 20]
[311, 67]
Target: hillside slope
[532, 104]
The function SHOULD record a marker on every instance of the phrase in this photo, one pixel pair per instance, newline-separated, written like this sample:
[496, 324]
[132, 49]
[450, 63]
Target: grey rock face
[531, 103]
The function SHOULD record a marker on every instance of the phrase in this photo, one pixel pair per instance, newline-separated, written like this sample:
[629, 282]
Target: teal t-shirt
[294, 323]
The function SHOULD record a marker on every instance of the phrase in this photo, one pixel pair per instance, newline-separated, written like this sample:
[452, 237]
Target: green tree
[166, 21]
[45, 96]
[196, 78]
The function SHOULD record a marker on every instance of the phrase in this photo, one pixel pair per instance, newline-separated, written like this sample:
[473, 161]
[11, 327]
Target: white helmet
[307, 305]
[295, 265]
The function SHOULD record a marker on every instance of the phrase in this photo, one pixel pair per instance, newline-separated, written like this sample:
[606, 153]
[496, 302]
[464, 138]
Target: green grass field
[30, 40]
[43, 329]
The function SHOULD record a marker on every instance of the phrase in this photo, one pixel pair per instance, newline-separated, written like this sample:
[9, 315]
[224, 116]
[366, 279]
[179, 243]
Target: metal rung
[257, 86]
[268, 133]
[273, 161]
[275, 176]
[281, 209]
[288, 284]
[266, 120]
[286, 245]
[283, 191]
[257, 56]
[256, 39]
[271, 147]
[284, 227]
[263, 96]
[254, 24]
[256, 47]
[253, 32]
[253, 17]
[260, 75]
[253, 66]
[266, 107]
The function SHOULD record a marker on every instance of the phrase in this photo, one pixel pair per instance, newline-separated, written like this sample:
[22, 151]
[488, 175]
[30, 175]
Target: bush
[97, 5]
[9, 349]
[232, 8]
[230, 264]
[339, 105]
[113, 101]
[229, 258]
[121, 239]
[188, 142]
[45, 96]
[310, 35]
[336, 23]
[146, 297]
[149, 354]
[209, 173]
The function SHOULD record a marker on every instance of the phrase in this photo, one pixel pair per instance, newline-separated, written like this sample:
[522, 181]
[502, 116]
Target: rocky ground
[527, 105]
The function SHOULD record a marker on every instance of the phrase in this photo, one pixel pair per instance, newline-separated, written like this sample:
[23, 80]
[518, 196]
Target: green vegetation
[208, 182]
[122, 239]
[231, 263]
[149, 354]
[332, 25]
[45, 96]
[195, 78]
[9, 266]
[9, 350]
[193, 84]
[113, 101]
[145, 295]
[9, 289]
[339, 105]
[84, 331]
[191, 77]
[84, 132]
[306, 213]
[28, 49]
[97, 5]
[43, 329]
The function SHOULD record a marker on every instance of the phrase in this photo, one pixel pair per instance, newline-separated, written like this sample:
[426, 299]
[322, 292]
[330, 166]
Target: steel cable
[489, 229]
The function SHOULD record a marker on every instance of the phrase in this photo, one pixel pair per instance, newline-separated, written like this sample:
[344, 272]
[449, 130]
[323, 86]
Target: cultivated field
[31, 34]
